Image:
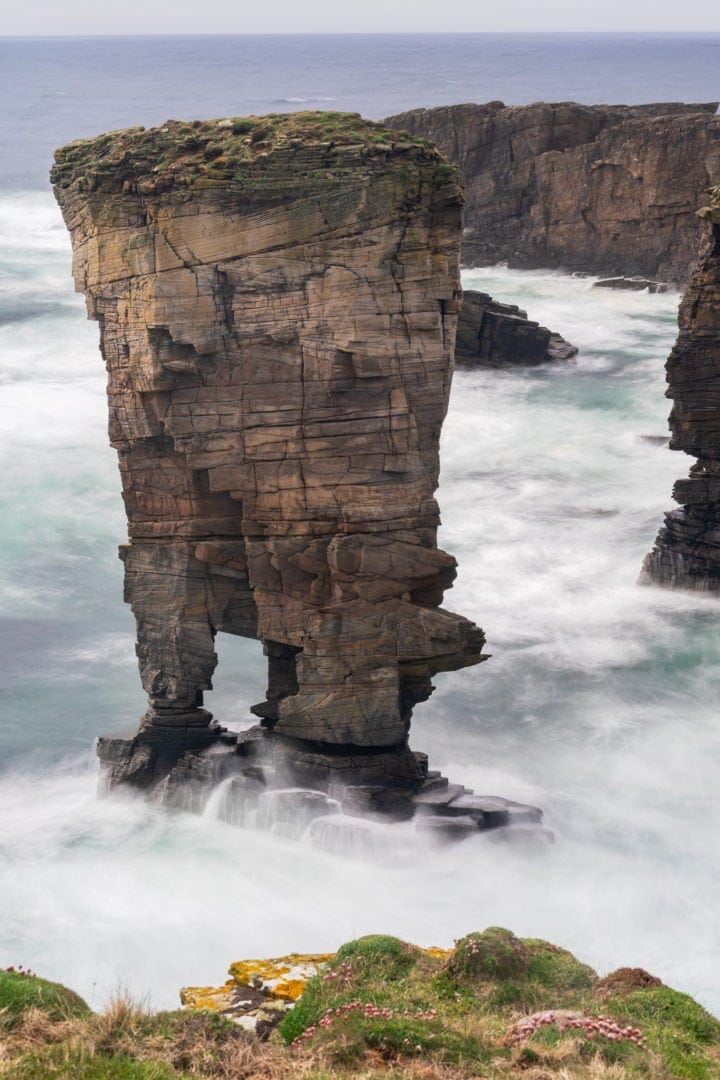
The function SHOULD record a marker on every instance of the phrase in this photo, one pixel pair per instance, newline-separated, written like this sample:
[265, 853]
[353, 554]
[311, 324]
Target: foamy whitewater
[599, 703]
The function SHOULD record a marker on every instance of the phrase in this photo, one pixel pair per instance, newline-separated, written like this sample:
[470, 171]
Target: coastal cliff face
[601, 189]
[687, 550]
[277, 300]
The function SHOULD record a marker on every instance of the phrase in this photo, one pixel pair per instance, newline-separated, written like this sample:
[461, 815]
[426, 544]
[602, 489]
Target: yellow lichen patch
[288, 989]
[437, 953]
[281, 977]
[215, 998]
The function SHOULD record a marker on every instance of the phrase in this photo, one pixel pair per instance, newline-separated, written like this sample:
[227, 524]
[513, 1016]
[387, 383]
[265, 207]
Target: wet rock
[449, 829]
[633, 285]
[491, 334]
[439, 795]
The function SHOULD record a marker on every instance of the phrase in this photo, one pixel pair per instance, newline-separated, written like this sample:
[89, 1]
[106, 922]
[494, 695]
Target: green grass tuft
[18, 993]
[493, 955]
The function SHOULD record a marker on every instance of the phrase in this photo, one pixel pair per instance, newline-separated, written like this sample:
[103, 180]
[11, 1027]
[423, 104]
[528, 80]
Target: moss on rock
[183, 153]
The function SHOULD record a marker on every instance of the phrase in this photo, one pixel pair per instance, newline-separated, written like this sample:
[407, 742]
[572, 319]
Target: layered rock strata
[604, 189]
[687, 550]
[277, 300]
[491, 334]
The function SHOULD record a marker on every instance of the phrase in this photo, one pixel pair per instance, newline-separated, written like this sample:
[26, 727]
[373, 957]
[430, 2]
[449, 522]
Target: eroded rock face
[604, 189]
[687, 551]
[277, 299]
[491, 334]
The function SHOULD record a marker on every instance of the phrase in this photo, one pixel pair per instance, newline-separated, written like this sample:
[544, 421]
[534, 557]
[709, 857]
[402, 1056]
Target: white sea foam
[301, 100]
[599, 703]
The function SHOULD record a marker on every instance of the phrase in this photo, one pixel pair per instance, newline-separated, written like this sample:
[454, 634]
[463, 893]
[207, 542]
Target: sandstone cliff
[602, 189]
[687, 551]
[277, 300]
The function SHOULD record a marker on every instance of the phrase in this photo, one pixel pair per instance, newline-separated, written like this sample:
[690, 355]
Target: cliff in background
[278, 300]
[602, 189]
[687, 551]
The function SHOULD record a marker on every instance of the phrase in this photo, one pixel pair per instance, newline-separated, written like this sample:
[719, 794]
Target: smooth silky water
[599, 703]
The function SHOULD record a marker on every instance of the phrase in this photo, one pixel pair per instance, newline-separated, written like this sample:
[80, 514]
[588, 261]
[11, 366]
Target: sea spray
[599, 703]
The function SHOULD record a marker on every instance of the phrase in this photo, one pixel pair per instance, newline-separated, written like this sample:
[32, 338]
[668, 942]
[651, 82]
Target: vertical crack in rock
[687, 550]
[277, 300]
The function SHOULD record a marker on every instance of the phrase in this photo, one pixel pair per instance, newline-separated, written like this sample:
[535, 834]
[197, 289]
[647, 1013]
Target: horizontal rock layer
[604, 189]
[277, 299]
[687, 551]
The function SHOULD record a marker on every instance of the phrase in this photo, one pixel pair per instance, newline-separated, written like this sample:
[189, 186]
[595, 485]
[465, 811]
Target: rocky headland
[602, 189]
[687, 550]
[494, 1006]
[278, 301]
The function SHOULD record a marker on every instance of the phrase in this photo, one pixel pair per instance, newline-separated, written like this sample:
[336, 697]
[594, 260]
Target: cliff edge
[496, 1005]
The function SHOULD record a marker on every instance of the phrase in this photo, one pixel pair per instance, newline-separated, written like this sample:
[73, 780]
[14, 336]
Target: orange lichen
[437, 953]
[283, 977]
[215, 998]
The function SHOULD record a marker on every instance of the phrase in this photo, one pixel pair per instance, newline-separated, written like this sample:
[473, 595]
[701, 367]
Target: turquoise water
[599, 702]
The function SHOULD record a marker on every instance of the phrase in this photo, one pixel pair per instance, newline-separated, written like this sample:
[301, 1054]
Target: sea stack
[278, 301]
[687, 550]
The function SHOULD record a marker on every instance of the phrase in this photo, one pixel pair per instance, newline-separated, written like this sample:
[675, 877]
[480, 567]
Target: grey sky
[45, 17]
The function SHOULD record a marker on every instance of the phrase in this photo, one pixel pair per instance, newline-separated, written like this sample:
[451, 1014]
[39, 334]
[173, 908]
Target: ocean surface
[600, 701]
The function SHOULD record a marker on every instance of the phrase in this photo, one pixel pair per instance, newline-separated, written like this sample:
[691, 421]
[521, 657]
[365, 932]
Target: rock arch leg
[167, 589]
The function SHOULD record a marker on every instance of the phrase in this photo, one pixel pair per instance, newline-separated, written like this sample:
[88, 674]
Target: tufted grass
[396, 1012]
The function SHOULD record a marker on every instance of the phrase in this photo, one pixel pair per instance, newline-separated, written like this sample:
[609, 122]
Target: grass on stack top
[214, 147]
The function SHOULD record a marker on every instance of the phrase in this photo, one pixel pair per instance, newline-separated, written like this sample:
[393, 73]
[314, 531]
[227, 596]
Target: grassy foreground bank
[496, 1006]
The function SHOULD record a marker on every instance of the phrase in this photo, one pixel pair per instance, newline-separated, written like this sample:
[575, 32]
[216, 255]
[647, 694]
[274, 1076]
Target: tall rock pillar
[277, 300]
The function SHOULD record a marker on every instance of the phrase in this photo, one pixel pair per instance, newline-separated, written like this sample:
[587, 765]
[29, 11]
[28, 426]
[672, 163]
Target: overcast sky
[45, 17]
